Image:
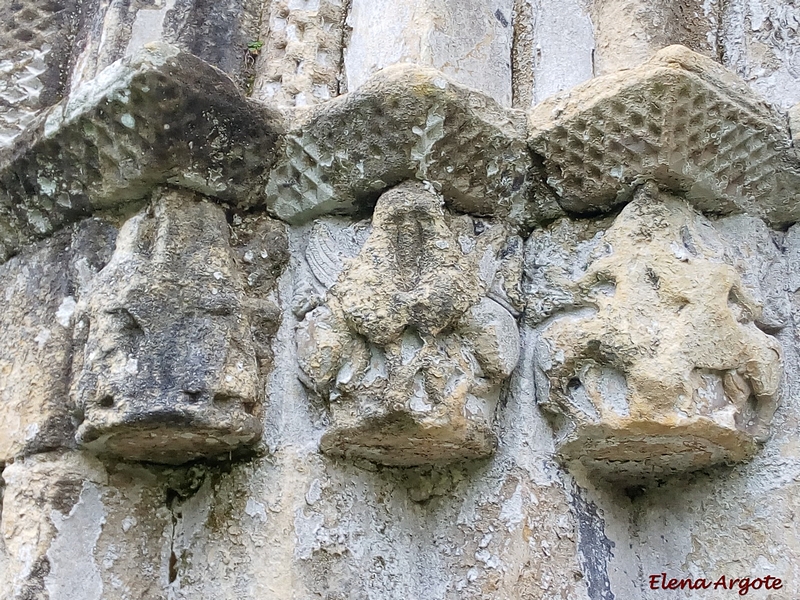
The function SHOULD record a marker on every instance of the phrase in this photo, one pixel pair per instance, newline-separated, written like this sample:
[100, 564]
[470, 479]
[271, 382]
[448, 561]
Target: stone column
[760, 40]
[631, 31]
[301, 62]
[470, 41]
[217, 32]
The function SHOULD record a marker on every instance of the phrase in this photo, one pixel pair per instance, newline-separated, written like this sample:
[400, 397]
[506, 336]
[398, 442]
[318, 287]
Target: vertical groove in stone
[557, 48]
[301, 58]
[221, 33]
[217, 32]
[346, 33]
[469, 41]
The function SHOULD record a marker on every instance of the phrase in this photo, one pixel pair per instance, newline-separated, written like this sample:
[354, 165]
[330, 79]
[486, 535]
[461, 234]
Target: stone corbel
[416, 333]
[175, 334]
[650, 353]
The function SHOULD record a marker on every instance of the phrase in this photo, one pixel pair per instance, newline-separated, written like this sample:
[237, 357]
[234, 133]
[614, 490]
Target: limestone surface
[406, 122]
[679, 119]
[41, 289]
[553, 50]
[216, 32]
[630, 32]
[470, 41]
[73, 527]
[175, 333]
[409, 349]
[381, 319]
[159, 116]
[301, 61]
[655, 363]
[761, 43]
[35, 45]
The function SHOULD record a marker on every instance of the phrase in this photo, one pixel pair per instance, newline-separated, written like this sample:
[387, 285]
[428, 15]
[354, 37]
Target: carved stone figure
[650, 360]
[176, 331]
[415, 337]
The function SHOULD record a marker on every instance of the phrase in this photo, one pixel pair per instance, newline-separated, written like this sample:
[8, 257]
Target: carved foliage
[414, 338]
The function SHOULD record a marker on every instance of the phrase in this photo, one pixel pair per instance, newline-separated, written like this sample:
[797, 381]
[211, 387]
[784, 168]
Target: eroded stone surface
[680, 119]
[554, 49]
[409, 348]
[35, 49]
[216, 32]
[75, 528]
[794, 126]
[630, 32]
[41, 495]
[176, 331]
[406, 122]
[470, 41]
[159, 116]
[653, 362]
[41, 288]
[761, 42]
[295, 524]
[301, 60]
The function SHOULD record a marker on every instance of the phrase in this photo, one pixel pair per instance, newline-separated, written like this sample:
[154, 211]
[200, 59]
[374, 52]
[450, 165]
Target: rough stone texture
[159, 116]
[40, 291]
[301, 60]
[290, 522]
[678, 527]
[794, 126]
[554, 49]
[409, 349]
[680, 119]
[35, 44]
[470, 41]
[630, 32]
[75, 528]
[217, 32]
[176, 331]
[406, 122]
[761, 41]
[652, 361]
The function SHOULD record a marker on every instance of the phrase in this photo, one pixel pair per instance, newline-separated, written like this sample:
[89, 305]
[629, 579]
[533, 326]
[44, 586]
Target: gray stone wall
[429, 300]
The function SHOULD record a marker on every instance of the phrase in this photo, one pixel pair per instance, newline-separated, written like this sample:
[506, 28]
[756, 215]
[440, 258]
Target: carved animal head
[169, 368]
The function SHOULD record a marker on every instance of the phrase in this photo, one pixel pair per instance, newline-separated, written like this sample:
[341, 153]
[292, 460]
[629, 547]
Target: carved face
[659, 362]
[409, 347]
[169, 368]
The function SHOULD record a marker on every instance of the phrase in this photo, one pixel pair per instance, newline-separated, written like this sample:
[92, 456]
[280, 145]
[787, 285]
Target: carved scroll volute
[655, 364]
[171, 367]
[409, 347]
